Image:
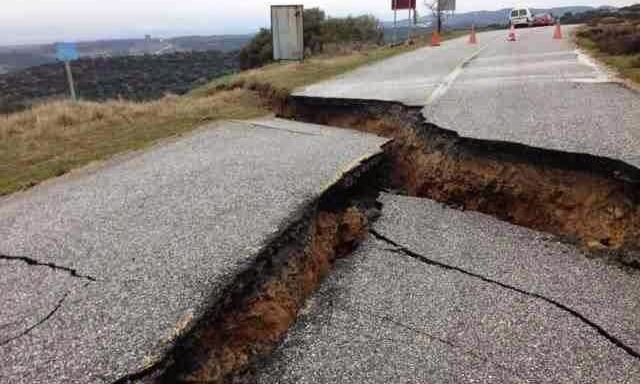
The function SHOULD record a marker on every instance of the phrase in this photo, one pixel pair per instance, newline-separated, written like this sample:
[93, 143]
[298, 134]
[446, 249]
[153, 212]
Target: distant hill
[21, 57]
[141, 77]
[485, 18]
[630, 13]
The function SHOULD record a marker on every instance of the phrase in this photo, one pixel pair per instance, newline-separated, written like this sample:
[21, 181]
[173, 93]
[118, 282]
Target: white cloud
[24, 21]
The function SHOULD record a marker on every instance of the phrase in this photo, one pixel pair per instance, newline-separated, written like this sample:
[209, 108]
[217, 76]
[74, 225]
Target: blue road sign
[66, 51]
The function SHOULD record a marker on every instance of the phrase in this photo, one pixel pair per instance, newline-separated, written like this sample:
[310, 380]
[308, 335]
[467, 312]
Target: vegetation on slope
[51, 139]
[321, 34]
[144, 77]
[614, 37]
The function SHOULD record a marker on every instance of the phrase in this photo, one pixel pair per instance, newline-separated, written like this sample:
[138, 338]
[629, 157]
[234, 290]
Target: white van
[521, 16]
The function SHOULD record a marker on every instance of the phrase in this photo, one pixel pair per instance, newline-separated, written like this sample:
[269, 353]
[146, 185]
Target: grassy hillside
[50, 139]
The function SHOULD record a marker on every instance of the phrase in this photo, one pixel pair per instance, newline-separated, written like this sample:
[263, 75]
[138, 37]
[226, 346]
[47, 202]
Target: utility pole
[67, 52]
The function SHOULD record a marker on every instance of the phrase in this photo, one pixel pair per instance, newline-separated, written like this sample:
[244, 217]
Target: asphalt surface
[409, 78]
[536, 91]
[139, 247]
[473, 300]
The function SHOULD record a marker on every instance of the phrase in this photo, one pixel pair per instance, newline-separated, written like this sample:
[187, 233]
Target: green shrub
[319, 31]
[615, 39]
[258, 52]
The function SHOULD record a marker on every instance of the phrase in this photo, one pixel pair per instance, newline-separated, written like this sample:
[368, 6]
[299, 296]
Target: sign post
[67, 52]
[401, 4]
[395, 21]
[72, 88]
[443, 6]
[409, 34]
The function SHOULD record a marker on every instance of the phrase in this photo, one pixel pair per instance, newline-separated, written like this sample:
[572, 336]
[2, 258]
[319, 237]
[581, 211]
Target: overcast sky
[35, 21]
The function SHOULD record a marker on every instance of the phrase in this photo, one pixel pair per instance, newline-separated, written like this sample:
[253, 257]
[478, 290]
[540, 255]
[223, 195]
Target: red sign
[403, 4]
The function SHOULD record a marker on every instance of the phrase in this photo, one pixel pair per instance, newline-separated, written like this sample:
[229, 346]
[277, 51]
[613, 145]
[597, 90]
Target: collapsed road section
[442, 294]
[541, 302]
[190, 263]
[185, 261]
[593, 201]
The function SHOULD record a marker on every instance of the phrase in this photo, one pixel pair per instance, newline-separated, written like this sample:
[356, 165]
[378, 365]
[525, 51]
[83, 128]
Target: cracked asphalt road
[385, 316]
[537, 91]
[102, 269]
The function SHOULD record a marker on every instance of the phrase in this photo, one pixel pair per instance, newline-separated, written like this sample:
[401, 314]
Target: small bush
[258, 52]
[615, 39]
[320, 32]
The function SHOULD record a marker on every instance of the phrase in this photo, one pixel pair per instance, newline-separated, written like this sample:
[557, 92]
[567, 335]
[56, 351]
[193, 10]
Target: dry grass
[54, 138]
[51, 139]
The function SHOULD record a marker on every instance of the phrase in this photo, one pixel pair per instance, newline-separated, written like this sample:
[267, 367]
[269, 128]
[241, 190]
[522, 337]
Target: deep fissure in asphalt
[585, 199]
[424, 259]
[588, 200]
[263, 302]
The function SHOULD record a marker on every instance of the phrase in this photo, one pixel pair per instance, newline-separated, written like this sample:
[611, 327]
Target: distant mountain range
[484, 18]
[20, 57]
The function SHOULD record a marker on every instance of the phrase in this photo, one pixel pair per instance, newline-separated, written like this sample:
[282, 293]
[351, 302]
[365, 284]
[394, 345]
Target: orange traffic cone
[435, 39]
[557, 35]
[472, 38]
[512, 34]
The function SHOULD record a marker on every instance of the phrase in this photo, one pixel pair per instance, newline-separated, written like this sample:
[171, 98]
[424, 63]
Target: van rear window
[523, 12]
[514, 13]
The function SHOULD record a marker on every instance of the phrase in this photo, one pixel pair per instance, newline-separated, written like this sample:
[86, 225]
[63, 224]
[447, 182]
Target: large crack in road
[582, 199]
[263, 302]
[589, 200]
[586, 200]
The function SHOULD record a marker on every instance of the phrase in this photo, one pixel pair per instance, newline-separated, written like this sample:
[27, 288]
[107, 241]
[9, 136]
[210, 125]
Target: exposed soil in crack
[424, 259]
[589, 200]
[256, 312]
[30, 261]
[255, 327]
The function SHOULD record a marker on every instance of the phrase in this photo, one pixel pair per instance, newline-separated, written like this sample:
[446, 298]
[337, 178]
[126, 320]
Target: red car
[543, 20]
